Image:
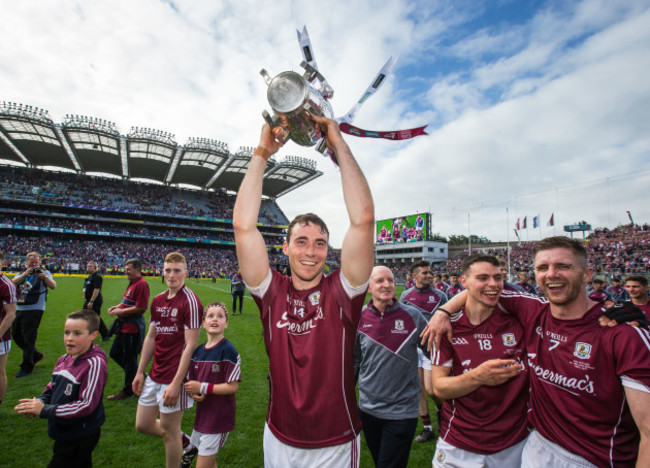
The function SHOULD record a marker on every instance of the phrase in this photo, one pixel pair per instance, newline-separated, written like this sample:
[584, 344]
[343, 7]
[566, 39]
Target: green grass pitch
[24, 442]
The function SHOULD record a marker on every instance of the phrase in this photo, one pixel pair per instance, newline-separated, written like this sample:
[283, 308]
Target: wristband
[210, 388]
[261, 151]
[444, 310]
[204, 388]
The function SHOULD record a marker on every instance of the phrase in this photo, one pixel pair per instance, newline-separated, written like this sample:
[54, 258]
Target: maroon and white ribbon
[390, 135]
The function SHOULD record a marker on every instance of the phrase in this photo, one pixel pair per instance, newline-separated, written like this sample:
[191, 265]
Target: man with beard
[589, 384]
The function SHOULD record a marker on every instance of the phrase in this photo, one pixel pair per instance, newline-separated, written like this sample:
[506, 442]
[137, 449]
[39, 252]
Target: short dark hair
[91, 318]
[477, 258]
[308, 218]
[555, 242]
[135, 263]
[418, 264]
[598, 281]
[638, 278]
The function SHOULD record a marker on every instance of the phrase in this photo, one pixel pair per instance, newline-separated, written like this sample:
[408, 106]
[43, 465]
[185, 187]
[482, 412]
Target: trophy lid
[287, 92]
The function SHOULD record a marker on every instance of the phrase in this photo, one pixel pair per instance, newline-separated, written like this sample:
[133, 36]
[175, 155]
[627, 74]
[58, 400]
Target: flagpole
[469, 236]
[507, 242]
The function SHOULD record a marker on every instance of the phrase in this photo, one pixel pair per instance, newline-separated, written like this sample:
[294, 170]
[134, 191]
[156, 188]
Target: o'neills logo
[171, 329]
[299, 328]
[562, 381]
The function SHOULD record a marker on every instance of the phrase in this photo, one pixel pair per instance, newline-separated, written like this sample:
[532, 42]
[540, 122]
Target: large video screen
[403, 229]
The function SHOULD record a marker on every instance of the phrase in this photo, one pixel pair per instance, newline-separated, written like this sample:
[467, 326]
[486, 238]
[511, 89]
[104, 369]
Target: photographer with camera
[32, 285]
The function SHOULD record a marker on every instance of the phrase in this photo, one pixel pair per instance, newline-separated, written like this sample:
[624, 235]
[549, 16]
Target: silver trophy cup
[293, 97]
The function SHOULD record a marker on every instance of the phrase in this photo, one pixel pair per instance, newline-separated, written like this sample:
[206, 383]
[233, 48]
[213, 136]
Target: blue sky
[533, 107]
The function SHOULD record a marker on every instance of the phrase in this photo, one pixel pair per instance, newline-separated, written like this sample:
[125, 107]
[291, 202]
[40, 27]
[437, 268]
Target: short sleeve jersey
[645, 308]
[172, 317]
[136, 295]
[216, 365]
[492, 418]
[600, 296]
[309, 337]
[7, 296]
[426, 300]
[578, 371]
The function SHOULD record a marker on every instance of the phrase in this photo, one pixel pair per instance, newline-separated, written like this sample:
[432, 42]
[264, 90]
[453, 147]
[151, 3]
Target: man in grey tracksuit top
[386, 362]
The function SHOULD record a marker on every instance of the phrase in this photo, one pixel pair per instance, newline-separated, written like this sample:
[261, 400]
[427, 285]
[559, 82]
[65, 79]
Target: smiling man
[310, 320]
[589, 384]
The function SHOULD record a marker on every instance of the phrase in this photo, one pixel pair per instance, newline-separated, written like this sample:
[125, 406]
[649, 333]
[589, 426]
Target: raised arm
[440, 323]
[357, 251]
[251, 250]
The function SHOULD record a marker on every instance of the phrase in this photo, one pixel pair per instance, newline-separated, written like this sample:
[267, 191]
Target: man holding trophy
[310, 320]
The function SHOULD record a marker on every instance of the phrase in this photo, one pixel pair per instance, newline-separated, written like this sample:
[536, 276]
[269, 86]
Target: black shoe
[425, 436]
[22, 373]
[39, 359]
[121, 395]
[106, 338]
[188, 457]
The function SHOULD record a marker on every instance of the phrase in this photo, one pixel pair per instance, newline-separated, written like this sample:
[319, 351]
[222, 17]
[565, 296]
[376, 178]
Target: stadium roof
[28, 136]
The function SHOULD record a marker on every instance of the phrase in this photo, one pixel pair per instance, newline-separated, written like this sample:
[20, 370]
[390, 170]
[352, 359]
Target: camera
[38, 270]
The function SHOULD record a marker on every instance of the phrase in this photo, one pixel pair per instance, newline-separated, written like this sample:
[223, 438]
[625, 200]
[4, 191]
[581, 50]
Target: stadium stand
[162, 196]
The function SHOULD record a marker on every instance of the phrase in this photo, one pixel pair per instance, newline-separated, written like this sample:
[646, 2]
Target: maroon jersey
[453, 290]
[7, 296]
[645, 308]
[492, 418]
[440, 286]
[426, 300]
[172, 317]
[216, 365]
[577, 373]
[136, 295]
[309, 337]
[600, 296]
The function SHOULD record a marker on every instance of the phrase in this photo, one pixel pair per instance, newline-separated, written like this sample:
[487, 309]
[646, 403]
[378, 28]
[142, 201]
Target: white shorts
[424, 361]
[539, 451]
[447, 455]
[152, 395]
[5, 347]
[280, 455]
[208, 444]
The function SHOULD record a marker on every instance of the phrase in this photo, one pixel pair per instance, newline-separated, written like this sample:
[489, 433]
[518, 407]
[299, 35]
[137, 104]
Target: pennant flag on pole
[550, 221]
[517, 234]
[535, 221]
[524, 223]
[517, 225]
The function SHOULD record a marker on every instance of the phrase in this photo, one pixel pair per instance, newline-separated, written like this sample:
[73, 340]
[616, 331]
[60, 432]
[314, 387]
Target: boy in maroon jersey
[174, 330]
[310, 320]
[7, 313]
[589, 384]
[480, 376]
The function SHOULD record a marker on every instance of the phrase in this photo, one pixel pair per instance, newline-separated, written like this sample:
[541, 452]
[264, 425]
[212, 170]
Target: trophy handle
[312, 74]
[276, 122]
[266, 76]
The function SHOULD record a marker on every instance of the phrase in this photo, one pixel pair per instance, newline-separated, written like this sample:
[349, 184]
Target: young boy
[213, 380]
[173, 334]
[72, 401]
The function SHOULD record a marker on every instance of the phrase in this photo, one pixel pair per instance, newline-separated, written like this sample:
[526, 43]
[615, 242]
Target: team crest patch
[441, 456]
[174, 312]
[215, 367]
[399, 324]
[314, 298]
[582, 351]
[68, 389]
[509, 339]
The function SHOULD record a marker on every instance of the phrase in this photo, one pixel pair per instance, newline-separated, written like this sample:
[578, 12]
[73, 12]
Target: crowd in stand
[75, 189]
